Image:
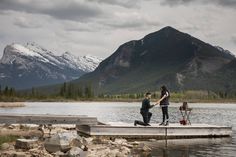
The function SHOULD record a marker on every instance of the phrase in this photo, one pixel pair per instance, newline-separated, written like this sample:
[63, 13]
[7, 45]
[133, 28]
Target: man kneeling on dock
[145, 111]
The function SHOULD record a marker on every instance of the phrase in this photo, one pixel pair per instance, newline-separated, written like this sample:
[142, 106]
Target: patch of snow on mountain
[23, 50]
[88, 63]
[70, 60]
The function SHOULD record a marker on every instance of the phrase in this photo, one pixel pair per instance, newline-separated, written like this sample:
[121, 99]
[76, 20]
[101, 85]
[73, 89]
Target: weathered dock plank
[47, 119]
[156, 131]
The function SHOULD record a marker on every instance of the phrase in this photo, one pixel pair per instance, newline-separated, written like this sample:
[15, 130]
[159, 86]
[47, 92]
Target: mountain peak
[19, 49]
[168, 28]
[32, 44]
[164, 33]
[67, 54]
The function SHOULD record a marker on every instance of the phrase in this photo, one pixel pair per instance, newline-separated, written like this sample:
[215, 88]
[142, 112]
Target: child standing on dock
[145, 111]
[164, 103]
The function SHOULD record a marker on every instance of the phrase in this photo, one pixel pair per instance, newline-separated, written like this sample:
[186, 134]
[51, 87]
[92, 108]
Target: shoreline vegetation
[19, 102]
[11, 104]
[72, 93]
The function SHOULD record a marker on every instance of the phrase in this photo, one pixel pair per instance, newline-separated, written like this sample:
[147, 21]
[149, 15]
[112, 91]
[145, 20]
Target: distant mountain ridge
[169, 57]
[30, 65]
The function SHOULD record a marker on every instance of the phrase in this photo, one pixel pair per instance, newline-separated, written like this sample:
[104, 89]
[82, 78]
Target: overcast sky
[98, 27]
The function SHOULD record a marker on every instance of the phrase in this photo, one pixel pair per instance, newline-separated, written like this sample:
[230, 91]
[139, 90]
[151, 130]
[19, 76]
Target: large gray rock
[77, 143]
[26, 143]
[75, 152]
[124, 150]
[120, 141]
[87, 141]
[144, 147]
[60, 141]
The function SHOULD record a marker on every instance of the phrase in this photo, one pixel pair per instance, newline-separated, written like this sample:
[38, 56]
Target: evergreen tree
[33, 92]
[12, 92]
[63, 90]
[88, 93]
[6, 91]
[69, 91]
[80, 92]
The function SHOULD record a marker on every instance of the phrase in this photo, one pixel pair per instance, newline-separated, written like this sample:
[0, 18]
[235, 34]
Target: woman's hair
[148, 93]
[163, 88]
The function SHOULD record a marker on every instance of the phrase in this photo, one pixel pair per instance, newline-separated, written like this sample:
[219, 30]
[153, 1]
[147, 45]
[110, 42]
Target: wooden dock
[92, 127]
[47, 119]
[173, 131]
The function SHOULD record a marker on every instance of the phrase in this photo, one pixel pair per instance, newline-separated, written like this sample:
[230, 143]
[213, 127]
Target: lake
[219, 114]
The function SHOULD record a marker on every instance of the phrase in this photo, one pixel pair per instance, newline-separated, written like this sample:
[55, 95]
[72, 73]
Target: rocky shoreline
[64, 141]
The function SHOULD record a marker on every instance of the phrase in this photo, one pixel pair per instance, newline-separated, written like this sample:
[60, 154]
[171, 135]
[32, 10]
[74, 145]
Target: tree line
[7, 91]
[66, 91]
[73, 91]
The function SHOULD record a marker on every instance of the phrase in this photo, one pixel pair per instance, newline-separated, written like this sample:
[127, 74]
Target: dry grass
[8, 138]
[12, 104]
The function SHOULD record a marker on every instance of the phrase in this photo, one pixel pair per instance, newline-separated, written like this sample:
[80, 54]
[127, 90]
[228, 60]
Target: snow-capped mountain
[86, 63]
[24, 66]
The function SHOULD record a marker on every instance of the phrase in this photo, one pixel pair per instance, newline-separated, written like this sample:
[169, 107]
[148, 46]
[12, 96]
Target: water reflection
[190, 147]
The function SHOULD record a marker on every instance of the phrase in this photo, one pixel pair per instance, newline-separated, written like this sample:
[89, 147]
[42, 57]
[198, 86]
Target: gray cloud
[122, 3]
[176, 2]
[80, 27]
[133, 24]
[131, 20]
[66, 10]
[98, 27]
[233, 38]
[230, 3]
[26, 23]
[227, 3]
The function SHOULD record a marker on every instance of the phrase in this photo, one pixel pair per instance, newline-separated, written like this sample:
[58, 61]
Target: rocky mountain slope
[30, 65]
[168, 57]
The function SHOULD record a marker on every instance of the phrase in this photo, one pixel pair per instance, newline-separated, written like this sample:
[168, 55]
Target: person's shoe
[135, 123]
[147, 124]
[167, 123]
[162, 123]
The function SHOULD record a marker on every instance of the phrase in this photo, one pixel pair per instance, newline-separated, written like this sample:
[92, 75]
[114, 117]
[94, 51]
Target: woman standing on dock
[164, 103]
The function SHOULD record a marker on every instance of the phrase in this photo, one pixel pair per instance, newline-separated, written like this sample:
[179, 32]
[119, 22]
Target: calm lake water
[219, 114]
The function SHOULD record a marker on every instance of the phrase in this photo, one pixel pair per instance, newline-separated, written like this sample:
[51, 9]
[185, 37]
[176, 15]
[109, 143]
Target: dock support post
[166, 136]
